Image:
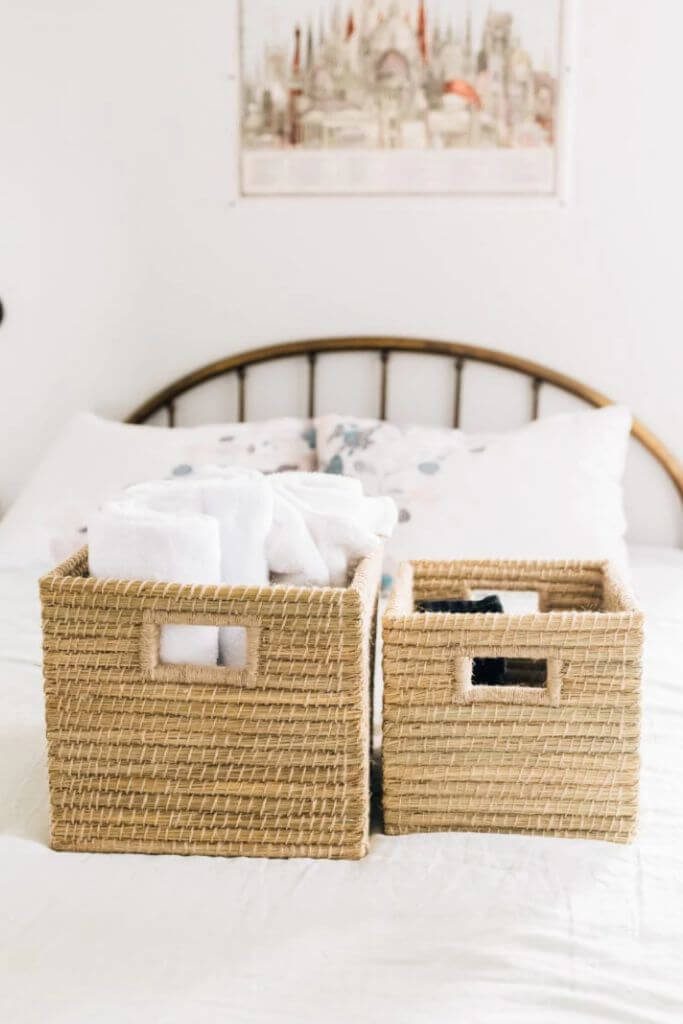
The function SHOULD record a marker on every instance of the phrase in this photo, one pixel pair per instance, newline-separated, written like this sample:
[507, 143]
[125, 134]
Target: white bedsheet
[427, 930]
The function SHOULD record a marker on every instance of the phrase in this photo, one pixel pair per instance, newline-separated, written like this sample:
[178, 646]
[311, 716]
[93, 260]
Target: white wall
[124, 259]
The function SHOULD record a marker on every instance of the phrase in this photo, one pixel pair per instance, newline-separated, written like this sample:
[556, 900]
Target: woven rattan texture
[269, 762]
[563, 760]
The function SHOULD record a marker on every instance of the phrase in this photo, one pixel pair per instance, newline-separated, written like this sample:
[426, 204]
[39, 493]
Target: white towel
[132, 542]
[241, 503]
[237, 526]
[240, 500]
[342, 523]
[293, 554]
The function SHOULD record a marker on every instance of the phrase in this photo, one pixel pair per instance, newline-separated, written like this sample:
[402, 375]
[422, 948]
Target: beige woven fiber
[560, 759]
[268, 761]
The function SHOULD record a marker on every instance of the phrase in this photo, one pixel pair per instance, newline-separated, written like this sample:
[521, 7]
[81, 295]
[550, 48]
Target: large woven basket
[269, 761]
[559, 759]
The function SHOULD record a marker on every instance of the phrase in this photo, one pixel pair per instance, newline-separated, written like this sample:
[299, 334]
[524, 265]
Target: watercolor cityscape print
[376, 75]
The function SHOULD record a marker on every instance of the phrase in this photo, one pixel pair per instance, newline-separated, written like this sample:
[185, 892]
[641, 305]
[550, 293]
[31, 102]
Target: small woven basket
[268, 761]
[556, 758]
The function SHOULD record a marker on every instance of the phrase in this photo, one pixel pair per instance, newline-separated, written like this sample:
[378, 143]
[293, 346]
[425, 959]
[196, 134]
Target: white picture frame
[288, 167]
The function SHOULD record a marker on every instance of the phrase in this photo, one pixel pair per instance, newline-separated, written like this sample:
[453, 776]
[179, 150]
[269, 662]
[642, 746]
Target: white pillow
[93, 459]
[552, 489]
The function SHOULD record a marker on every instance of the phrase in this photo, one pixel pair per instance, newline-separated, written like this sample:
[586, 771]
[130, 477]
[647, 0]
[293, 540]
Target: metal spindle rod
[384, 384]
[457, 409]
[170, 412]
[312, 359]
[536, 385]
[241, 393]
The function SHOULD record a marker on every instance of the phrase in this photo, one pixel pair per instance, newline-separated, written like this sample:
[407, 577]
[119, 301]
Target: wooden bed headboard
[461, 355]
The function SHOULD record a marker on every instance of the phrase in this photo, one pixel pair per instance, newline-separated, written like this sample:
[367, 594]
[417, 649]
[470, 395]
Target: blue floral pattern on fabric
[310, 436]
[354, 438]
[409, 464]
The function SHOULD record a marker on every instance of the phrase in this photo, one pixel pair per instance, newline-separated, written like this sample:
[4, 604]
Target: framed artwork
[391, 97]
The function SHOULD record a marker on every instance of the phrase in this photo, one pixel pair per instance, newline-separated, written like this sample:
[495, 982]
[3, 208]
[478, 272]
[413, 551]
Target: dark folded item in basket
[488, 672]
[485, 671]
[490, 604]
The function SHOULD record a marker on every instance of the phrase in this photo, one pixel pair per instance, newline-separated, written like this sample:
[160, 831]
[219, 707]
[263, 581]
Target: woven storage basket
[558, 760]
[269, 761]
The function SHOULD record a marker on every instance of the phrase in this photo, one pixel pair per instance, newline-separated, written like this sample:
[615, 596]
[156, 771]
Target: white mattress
[436, 929]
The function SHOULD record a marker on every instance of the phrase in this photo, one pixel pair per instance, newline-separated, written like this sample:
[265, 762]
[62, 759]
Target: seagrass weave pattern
[560, 758]
[268, 761]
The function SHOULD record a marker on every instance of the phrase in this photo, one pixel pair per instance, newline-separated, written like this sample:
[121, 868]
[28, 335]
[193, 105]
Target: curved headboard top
[460, 353]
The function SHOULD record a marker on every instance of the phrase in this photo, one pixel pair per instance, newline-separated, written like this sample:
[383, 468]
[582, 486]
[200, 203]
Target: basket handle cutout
[500, 677]
[227, 651]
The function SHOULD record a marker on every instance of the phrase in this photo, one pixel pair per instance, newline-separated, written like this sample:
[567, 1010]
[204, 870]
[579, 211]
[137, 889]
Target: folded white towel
[132, 542]
[341, 522]
[293, 554]
[242, 504]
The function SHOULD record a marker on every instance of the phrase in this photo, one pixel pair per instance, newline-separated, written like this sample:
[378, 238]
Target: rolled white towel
[242, 504]
[174, 497]
[128, 541]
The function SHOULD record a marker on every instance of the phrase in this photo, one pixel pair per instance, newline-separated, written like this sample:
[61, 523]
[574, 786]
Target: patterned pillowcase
[552, 489]
[271, 446]
[94, 459]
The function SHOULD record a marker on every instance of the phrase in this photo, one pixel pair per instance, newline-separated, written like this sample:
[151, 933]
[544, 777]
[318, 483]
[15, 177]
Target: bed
[427, 929]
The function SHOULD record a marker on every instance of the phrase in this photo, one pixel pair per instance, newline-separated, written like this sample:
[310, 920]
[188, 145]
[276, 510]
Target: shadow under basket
[553, 747]
[271, 760]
